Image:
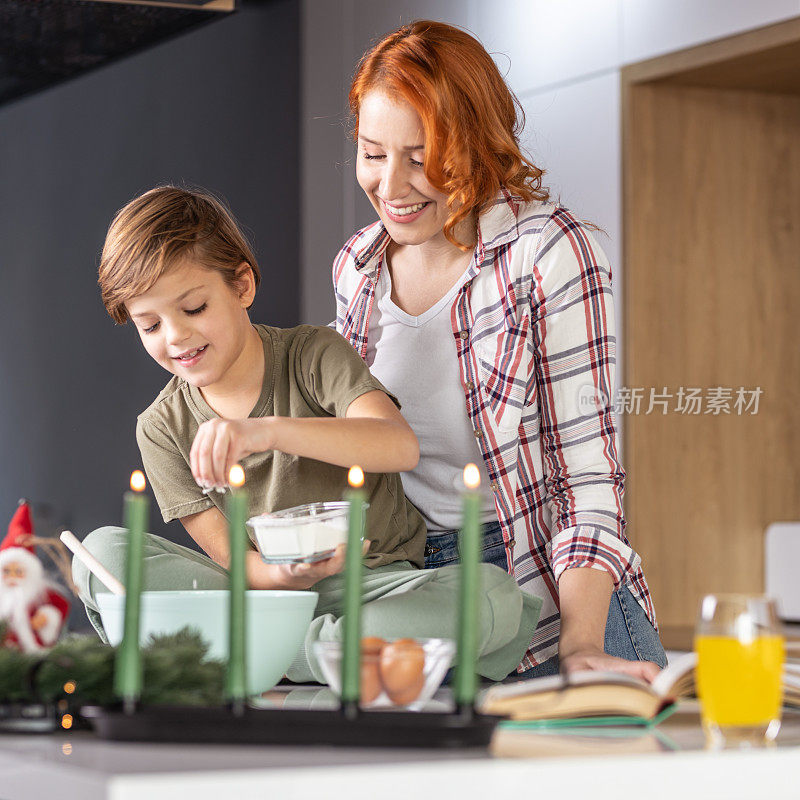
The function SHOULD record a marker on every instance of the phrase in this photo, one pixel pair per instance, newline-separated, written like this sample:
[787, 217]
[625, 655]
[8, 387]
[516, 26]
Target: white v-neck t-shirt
[415, 358]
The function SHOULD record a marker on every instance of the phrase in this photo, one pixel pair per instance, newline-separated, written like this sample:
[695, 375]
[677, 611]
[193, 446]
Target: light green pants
[399, 600]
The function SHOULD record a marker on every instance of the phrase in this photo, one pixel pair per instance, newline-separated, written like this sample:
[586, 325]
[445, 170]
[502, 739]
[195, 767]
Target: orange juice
[739, 683]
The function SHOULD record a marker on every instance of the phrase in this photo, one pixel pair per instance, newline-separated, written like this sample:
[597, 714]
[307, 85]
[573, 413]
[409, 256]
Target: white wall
[562, 59]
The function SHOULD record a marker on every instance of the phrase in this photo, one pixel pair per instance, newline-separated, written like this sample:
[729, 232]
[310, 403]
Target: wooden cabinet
[711, 212]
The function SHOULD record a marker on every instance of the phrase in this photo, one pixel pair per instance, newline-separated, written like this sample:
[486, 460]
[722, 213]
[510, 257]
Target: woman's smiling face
[389, 168]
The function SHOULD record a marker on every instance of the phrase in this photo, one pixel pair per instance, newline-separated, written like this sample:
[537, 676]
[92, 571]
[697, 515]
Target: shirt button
[464, 334]
[495, 486]
[478, 433]
[511, 542]
[470, 386]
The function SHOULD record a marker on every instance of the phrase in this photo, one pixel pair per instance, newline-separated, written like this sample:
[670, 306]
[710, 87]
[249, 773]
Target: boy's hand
[221, 443]
[304, 576]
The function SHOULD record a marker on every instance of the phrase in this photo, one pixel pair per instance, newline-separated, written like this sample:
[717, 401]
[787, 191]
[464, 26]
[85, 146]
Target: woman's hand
[584, 595]
[221, 443]
[591, 658]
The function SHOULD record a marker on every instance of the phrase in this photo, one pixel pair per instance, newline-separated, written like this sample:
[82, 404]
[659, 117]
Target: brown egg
[372, 645]
[371, 687]
[402, 665]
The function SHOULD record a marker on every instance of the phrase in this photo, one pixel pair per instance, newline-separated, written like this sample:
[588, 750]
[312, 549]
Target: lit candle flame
[472, 476]
[137, 481]
[236, 476]
[356, 477]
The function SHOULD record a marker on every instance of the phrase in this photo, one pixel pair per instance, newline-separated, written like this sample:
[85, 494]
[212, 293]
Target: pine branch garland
[84, 661]
[177, 671]
[16, 669]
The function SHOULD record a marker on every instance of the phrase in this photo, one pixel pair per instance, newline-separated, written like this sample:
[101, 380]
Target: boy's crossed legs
[399, 601]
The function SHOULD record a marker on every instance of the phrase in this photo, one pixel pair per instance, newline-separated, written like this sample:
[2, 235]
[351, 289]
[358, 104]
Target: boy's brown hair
[156, 230]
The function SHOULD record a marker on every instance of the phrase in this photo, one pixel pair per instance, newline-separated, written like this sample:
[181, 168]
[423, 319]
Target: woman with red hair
[487, 310]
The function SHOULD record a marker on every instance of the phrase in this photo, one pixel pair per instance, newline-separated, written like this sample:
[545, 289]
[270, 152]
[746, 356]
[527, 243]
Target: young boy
[296, 408]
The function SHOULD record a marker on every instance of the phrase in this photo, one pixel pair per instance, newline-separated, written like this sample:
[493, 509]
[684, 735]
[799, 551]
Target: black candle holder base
[219, 725]
[28, 718]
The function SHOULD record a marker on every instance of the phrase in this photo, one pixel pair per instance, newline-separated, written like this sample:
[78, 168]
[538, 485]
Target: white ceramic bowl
[303, 533]
[277, 621]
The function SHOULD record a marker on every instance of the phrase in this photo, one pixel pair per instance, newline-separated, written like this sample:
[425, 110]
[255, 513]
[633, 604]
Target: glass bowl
[304, 533]
[395, 673]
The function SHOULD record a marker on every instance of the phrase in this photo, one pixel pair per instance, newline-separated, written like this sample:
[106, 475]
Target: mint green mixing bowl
[277, 621]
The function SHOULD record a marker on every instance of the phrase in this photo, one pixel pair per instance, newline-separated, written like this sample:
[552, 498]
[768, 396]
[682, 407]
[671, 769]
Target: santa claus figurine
[31, 606]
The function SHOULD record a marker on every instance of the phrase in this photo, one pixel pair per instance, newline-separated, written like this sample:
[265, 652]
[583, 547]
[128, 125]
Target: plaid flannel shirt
[534, 332]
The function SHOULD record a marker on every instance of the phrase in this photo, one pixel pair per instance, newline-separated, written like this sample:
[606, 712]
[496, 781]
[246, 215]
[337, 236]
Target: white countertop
[78, 765]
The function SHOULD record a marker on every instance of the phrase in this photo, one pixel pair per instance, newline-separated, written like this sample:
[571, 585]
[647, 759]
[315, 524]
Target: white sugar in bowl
[309, 532]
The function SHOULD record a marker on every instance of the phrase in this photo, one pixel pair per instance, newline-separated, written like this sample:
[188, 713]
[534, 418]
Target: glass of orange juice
[740, 654]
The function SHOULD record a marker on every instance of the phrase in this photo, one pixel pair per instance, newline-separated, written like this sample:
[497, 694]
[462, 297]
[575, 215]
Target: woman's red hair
[470, 117]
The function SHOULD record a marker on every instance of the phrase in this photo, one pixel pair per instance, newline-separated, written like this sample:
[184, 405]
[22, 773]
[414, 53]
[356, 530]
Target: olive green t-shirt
[309, 372]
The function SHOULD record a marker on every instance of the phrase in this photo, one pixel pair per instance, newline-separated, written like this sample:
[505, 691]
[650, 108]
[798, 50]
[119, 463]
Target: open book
[606, 694]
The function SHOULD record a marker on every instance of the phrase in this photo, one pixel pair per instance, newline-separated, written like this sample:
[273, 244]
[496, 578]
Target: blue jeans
[441, 548]
[629, 634]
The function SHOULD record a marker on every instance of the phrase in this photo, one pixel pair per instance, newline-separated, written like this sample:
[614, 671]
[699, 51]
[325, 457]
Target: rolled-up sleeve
[575, 361]
[168, 472]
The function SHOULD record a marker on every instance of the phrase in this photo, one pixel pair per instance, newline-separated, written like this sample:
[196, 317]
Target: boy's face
[192, 323]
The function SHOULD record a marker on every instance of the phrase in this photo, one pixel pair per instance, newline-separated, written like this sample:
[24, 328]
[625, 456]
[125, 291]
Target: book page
[666, 682]
[556, 682]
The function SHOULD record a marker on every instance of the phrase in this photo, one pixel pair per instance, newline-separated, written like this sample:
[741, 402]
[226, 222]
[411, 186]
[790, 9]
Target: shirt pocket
[504, 360]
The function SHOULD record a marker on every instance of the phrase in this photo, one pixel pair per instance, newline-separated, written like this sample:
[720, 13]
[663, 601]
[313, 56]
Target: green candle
[237, 623]
[128, 668]
[469, 589]
[351, 645]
